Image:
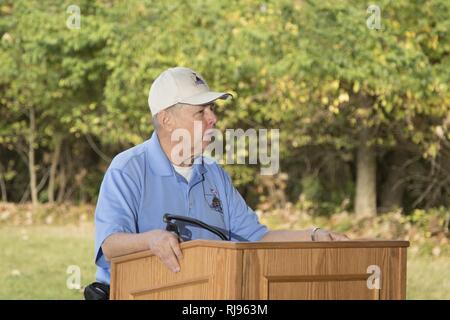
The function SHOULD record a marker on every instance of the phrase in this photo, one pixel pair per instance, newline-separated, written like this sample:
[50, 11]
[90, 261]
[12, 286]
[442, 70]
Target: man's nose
[211, 117]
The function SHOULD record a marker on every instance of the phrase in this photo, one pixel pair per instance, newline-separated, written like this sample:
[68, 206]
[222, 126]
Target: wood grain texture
[205, 272]
[275, 245]
[263, 270]
[323, 273]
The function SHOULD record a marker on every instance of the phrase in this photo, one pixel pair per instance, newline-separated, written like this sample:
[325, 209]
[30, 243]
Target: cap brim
[206, 97]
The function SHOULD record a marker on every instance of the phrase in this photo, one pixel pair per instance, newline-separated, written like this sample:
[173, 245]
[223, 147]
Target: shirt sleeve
[244, 222]
[116, 210]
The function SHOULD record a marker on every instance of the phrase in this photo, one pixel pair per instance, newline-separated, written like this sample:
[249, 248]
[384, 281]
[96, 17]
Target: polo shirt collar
[158, 161]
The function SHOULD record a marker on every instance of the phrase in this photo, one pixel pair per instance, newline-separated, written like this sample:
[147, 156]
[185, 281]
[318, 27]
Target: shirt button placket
[189, 202]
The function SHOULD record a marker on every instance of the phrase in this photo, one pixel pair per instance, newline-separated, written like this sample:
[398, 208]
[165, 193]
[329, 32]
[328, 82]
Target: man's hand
[165, 246]
[325, 235]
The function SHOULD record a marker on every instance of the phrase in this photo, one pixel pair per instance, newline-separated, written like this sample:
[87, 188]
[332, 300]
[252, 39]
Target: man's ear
[166, 120]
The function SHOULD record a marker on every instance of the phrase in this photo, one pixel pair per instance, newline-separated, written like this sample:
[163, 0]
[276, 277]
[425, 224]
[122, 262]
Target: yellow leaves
[421, 64]
[56, 94]
[63, 82]
[7, 38]
[268, 9]
[434, 41]
[343, 97]
[6, 9]
[362, 113]
[135, 139]
[333, 109]
[410, 34]
[408, 94]
[287, 105]
[439, 132]
[303, 99]
[291, 28]
[286, 85]
[282, 85]
[337, 102]
[408, 45]
[243, 21]
[291, 84]
[140, 9]
[356, 87]
[335, 84]
[432, 150]
[418, 137]
[395, 25]
[262, 19]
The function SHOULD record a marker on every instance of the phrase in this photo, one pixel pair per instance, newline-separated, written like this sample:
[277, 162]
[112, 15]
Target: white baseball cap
[180, 85]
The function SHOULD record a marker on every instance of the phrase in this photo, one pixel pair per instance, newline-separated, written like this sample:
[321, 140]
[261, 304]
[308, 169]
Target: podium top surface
[276, 245]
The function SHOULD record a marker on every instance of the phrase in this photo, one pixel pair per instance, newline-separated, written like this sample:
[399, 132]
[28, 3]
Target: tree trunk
[391, 193]
[365, 202]
[54, 165]
[62, 181]
[3, 185]
[31, 158]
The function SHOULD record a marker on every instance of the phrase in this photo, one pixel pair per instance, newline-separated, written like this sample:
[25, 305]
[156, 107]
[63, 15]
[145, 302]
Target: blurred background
[359, 91]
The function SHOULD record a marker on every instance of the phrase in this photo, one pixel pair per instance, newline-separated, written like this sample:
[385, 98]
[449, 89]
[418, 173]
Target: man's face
[198, 122]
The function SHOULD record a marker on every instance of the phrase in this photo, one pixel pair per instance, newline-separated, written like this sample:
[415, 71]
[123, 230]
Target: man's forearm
[119, 244]
[287, 235]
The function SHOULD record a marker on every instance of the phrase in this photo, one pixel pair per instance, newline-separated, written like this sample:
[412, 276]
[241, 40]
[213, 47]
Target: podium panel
[325, 273]
[369, 270]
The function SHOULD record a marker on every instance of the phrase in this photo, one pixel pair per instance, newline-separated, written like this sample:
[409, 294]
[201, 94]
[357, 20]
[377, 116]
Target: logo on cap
[198, 80]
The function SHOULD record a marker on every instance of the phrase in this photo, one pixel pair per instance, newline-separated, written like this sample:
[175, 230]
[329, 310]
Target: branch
[43, 181]
[96, 149]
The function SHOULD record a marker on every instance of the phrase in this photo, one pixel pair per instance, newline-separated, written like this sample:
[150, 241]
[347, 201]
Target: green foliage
[318, 197]
[313, 69]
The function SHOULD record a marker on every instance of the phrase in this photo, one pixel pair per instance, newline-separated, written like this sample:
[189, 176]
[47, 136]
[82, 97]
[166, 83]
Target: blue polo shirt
[141, 185]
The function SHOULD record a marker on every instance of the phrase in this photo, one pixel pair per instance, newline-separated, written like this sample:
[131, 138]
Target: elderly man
[149, 180]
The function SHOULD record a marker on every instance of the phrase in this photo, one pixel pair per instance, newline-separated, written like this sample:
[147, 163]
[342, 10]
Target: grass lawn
[34, 262]
[428, 278]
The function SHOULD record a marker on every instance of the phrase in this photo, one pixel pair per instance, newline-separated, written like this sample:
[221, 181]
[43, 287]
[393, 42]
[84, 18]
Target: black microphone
[171, 226]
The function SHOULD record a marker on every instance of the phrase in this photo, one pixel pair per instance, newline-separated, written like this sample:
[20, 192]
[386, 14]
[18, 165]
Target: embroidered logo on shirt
[216, 204]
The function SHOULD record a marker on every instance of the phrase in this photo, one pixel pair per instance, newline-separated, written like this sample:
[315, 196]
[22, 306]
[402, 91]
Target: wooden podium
[267, 270]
